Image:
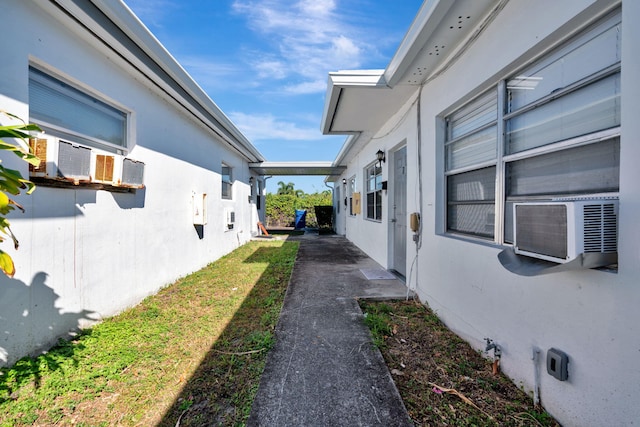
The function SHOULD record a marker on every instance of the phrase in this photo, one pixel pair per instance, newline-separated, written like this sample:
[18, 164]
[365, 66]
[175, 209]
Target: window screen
[63, 110]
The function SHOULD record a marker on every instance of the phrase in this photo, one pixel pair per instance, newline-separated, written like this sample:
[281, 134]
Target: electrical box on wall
[557, 364]
[414, 222]
[200, 209]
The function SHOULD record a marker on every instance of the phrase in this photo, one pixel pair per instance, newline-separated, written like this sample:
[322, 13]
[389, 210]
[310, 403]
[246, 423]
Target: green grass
[194, 351]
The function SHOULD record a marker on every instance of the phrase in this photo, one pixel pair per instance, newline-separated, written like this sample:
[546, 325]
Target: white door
[399, 214]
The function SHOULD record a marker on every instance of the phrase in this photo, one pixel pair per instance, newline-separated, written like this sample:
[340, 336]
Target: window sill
[379, 221]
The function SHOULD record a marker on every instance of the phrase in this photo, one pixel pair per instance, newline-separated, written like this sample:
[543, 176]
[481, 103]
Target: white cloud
[210, 73]
[310, 38]
[152, 12]
[260, 127]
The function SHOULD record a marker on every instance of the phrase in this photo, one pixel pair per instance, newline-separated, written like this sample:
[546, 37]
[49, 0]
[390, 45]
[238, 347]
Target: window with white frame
[227, 182]
[550, 130]
[65, 111]
[373, 179]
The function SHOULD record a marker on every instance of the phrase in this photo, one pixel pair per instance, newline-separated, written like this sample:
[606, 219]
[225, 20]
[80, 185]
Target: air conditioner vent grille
[74, 161]
[542, 229]
[600, 228]
[132, 173]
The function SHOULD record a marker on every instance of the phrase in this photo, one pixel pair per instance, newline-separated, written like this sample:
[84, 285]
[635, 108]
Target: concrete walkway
[324, 369]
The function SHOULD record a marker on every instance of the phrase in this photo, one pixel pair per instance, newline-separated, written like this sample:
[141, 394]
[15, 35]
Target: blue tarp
[301, 218]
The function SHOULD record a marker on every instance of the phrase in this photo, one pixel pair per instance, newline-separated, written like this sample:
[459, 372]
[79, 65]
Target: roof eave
[124, 19]
[341, 80]
[423, 26]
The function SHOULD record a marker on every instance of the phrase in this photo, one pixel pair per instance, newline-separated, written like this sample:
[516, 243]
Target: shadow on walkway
[324, 369]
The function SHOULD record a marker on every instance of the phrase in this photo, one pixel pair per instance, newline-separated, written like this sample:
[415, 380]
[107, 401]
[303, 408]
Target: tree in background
[280, 208]
[285, 188]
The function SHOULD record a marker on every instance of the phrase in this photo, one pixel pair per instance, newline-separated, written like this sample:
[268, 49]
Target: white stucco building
[488, 104]
[145, 179]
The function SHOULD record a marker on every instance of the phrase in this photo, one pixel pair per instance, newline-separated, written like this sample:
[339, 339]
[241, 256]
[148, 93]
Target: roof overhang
[296, 168]
[360, 102]
[120, 30]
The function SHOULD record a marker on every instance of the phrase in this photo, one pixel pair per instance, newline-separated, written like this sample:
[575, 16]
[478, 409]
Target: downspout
[417, 237]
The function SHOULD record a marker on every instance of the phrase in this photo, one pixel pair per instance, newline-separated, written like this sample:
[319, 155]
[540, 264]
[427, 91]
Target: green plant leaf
[12, 182]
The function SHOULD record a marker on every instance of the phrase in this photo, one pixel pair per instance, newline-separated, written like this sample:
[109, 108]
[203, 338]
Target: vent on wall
[230, 219]
[564, 230]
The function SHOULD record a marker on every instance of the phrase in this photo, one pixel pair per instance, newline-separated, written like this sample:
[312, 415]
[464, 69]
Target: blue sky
[265, 62]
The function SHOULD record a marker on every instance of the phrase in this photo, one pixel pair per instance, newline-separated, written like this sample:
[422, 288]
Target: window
[550, 130]
[227, 182]
[67, 112]
[373, 179]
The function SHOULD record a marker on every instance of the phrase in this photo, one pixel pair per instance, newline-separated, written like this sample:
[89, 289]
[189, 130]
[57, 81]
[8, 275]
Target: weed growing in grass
[420, 351]
[195, 350]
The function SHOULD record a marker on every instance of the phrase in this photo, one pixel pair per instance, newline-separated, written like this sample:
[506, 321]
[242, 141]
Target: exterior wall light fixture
[380, 157]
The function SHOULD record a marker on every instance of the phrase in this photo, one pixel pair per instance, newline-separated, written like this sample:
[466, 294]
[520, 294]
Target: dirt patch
[442, 380]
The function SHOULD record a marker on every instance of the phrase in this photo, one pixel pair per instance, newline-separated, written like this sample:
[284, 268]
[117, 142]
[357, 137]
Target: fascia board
[344, 150]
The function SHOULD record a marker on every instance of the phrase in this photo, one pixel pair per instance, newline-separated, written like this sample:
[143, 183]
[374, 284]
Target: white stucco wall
[371, 235]
[86, 254]
[591, 315]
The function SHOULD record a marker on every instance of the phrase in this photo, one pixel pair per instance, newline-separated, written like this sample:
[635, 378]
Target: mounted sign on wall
[356, 203]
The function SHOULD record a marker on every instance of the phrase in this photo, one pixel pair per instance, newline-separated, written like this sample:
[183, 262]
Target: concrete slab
[324, 369]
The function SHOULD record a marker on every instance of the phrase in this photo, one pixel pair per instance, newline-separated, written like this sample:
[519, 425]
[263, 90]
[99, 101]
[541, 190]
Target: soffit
[361, 101]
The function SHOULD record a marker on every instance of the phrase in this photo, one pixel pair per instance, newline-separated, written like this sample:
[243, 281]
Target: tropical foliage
[288, 189]
[281, 207]
[12, 183]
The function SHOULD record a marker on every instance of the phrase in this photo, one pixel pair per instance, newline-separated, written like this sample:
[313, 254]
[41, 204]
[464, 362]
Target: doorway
[398, 246]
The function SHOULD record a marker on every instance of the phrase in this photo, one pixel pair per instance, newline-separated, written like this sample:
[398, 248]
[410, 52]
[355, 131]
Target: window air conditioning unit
[132, 173]
[61, 160]
[562, 231]
[230, 218]
[106, 168]
[65, 161]
[116, 170]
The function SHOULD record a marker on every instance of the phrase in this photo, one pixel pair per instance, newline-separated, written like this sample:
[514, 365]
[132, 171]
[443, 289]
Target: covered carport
[266, 170]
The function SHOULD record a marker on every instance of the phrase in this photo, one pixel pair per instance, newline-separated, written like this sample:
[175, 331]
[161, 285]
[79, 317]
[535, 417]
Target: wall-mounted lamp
[344, 181]
[250, 180]
[380, 157]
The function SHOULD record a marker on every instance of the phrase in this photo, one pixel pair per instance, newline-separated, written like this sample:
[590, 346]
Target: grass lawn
[191, 354]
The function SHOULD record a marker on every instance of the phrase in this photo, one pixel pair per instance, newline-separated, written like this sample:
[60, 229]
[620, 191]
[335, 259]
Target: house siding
[87, 254]
[591, 315]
